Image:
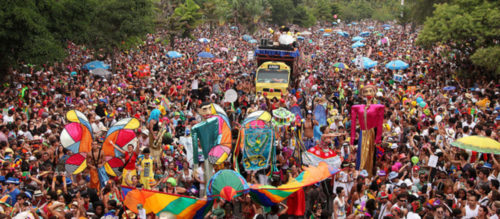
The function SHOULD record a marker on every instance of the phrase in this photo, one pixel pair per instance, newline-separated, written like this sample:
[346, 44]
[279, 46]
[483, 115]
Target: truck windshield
[272, 76]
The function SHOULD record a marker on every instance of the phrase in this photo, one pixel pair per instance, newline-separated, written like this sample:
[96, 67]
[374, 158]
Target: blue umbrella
[321, 30]
[95, 64]
[326, 34]
[449, 88]
[357, 44]
[301, 38]
[354, 23]
[386, 25]
[367, 62]
[253, 41]
[371, 27]
[387, 28]
[364, 34]
[357, 38]
[334, 23]
[342, 33]
[247, 37]
[397, 65]
[234, 28]
[349, 25]
[204, 40]
[205, 55]
[174, 54]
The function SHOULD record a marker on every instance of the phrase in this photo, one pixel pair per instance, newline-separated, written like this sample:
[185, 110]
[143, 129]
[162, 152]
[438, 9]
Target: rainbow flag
[268, 195]
[189, 207]
[157, 202]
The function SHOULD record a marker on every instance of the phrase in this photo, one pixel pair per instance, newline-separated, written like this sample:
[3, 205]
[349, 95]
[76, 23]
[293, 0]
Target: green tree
[249, 13]
[355, 10]
[304, 16]
[25, 37]
[282, 12]
[468, 26]
[119, 24]
[184, 20]
[215, 11]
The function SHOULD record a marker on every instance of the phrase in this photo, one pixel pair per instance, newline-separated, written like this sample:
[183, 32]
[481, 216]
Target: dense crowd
[409, 182]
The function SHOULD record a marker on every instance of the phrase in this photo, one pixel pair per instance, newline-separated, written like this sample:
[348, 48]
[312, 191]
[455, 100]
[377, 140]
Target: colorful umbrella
[218, 61]
[203, 40]
[479, 144]
[343, 33]
[367, 62]
[397, 65]
[95, 64]
[357, 38]
[174, 54]
[247, 37]
[341, 65]
[227, 184]
[448, 88]
[205, 55]
[365, 34]
[357, 44]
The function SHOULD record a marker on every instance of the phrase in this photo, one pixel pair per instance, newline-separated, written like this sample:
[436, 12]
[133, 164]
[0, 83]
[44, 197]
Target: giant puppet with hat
[371, 118]
[213, 136]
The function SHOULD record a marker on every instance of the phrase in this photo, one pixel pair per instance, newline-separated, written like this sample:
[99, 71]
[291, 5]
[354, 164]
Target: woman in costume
[371, 118]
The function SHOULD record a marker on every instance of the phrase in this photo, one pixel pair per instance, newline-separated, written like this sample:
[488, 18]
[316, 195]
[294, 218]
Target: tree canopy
[471, 27]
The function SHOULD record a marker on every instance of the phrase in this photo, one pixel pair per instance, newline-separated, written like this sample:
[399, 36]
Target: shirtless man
[95, 162]
[309, 124]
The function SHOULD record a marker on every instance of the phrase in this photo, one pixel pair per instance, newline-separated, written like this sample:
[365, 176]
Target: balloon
[413, 103]
[427, 112]
[419, 99]
[414, 160]
[422, 104]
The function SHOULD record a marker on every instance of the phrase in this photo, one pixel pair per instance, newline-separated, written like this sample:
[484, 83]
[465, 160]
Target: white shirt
[471, 213]
[194, 84]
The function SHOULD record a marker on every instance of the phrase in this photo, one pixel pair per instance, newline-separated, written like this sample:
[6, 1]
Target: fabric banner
[257, 148]
[315, 155]
[187, 142]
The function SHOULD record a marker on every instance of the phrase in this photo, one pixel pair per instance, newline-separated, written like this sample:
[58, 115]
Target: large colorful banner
[257, 149]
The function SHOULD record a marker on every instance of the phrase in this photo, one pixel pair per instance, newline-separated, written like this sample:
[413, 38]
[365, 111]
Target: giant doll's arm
[379, 124]
[353, 124]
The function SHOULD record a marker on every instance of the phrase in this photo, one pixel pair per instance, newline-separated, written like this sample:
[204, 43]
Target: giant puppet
[371, 118]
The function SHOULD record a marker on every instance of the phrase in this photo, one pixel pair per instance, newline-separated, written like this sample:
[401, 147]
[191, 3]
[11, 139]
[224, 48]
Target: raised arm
[380, 123]
[353, 124]
[116, 147]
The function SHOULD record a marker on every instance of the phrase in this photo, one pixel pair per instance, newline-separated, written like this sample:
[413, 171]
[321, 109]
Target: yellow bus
[273, 78]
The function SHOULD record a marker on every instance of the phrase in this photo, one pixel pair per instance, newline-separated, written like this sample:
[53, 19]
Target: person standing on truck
[309, 124]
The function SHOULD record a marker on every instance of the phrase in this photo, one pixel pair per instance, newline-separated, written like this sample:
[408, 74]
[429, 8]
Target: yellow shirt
[147, 167]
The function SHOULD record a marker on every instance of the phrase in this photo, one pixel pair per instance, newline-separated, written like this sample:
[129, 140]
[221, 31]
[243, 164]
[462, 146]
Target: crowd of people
[418, 173]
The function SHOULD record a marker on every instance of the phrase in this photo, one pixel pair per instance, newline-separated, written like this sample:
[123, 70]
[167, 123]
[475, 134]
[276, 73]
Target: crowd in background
[462, 184]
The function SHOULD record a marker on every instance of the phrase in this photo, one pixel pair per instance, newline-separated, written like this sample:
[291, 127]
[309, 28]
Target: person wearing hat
[344, 178]
[12, 190]
[172, 187]
[384, 205]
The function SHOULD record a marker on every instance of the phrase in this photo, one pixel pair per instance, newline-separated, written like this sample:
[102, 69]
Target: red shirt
[131, 163]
